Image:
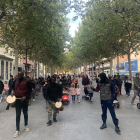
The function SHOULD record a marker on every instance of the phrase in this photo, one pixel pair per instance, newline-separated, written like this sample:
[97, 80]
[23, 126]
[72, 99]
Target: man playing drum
[54, 93]
[21, 89]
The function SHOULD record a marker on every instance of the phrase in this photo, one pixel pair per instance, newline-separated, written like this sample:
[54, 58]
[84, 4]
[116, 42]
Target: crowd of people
[26, 90]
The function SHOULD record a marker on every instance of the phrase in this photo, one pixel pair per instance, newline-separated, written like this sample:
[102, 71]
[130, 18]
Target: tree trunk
[16, 61]
[129, 63]
[51, 71]
[34, 72]
[43, 69]
[111, 64]
[38, 71]
[92, 70]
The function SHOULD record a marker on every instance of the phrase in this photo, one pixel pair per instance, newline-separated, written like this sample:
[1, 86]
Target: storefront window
[2, 70]
[6, 73]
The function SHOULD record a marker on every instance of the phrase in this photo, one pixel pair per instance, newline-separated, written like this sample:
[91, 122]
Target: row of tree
[109, 28]
[36, 27]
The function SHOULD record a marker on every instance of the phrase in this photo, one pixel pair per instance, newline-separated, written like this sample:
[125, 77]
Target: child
[117, 92]
[65, 91]
[90, 91]
[5, 90]
[73, 92]
[78, 92]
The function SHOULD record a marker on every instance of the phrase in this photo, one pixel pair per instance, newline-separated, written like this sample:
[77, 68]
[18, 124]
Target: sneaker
[54, 119]
[133, 103]
[16, 134]
[79, 101]
[103, 126]
[26, 129]
[117, 129]
[49, 123]
[129, 96]
[33, 100]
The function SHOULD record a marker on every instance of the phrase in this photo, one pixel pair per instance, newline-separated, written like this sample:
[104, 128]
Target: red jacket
[21, 89]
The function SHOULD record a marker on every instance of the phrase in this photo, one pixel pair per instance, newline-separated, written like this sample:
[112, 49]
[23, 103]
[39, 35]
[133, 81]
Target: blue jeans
[128, 93]
[109, 105]
[73, 97]
[90, 95]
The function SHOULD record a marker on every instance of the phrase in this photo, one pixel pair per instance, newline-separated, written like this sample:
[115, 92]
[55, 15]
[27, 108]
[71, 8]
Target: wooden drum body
[11, 99]
[59, 106]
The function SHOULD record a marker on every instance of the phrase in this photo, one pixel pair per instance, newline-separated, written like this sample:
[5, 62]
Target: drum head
[58, 104]
[11, 99]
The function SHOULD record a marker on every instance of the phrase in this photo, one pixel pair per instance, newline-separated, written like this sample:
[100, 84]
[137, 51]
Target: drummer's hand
[12, 93]
[23, 98]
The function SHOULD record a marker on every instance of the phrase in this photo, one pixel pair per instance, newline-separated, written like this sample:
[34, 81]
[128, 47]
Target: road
[78, 121]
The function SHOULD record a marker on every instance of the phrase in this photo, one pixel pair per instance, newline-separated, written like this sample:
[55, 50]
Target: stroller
[116, 102]
[65, 99]
[86, 96]
[138, 104]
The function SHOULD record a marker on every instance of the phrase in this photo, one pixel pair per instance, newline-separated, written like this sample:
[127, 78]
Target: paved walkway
[78, 121]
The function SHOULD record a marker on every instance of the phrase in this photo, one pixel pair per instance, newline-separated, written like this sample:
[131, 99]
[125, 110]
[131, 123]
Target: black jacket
[1, 87]
[33, 84]
[53, 92]
[45, 91]
[10, 84]
[85, 81]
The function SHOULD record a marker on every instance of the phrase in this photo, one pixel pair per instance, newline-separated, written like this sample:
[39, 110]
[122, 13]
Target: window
[6, 50]
[6, 74]
[2, 70]
[11, 53]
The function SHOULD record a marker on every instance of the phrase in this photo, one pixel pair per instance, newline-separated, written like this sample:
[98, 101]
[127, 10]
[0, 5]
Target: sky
[73, 24]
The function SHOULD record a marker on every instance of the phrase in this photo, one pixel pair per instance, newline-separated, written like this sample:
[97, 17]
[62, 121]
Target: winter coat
[119, 82]
[128, 85]
[54, 92]
[85, 81]
[6, 87]
[45, 91]
[89, 88]
[136, 83]
[65, 92]
[73, 91]
[64, 83]
[78, 91]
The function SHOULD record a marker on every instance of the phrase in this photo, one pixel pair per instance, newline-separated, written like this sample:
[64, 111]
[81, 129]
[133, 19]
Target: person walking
[78, 93]
[21, 89]
[128, 86]
[73, 92]
[136, 87]
[33, 88]
[1, 89]
[119, 81]
[53, 94]
[10, 89]
[75, 81]
[5, 90]
[45, 91]
[90, 91]
[85, 83]
[107, 96]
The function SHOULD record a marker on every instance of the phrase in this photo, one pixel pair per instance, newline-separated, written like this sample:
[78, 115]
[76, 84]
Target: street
[78, 121]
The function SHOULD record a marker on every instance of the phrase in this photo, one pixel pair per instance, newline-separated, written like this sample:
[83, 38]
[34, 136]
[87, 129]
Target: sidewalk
[78, 121]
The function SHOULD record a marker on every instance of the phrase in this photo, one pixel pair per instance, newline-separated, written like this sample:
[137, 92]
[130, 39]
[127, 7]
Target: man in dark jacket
[54, 93]
[45, 91]
[120, 82]
[107, 95]
[1, 88]
[21, 89]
